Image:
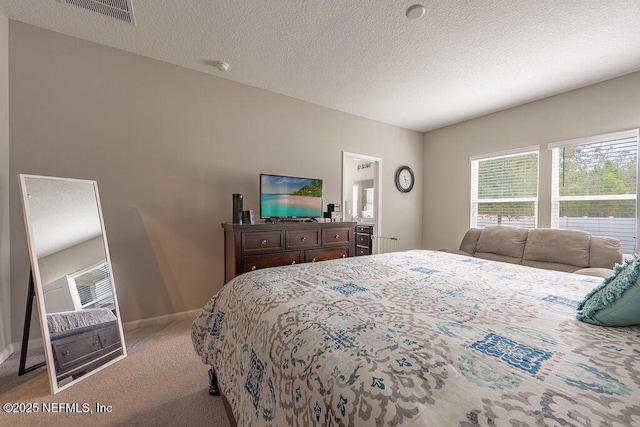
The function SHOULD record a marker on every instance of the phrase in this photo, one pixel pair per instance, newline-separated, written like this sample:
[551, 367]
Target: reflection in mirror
[360, 193]
[363, 200]
[77, 303]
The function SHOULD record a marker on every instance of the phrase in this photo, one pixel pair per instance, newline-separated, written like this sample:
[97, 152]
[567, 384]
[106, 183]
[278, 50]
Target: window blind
[594, 186]
[94, 288]
[504, 189]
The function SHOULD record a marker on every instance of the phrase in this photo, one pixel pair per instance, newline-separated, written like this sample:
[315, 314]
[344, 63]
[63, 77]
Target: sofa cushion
[616, 301]
[546, 245]
[568, 268]
[595, 272]
[470, 240]
[605, 252]
[502, 243]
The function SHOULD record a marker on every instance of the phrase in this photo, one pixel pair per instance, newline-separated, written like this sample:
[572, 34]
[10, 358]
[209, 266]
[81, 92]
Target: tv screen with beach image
[290, 197]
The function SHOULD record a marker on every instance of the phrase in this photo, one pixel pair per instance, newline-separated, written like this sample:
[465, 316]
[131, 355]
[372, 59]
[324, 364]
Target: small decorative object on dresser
[251, 247]
[364, 240]
[334, 212]
[248, 217]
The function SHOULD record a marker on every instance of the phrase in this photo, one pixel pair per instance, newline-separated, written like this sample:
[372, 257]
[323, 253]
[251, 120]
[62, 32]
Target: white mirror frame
[37, 280]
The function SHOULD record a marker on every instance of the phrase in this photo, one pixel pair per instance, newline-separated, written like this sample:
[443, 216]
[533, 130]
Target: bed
[417, 338]
[82, 340]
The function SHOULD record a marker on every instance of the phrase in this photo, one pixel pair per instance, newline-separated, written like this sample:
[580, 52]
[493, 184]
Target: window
[594, 186]
[91, 287]
[504, 189]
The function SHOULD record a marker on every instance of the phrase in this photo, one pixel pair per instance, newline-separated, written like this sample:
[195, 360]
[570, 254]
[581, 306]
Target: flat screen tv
[290, 197]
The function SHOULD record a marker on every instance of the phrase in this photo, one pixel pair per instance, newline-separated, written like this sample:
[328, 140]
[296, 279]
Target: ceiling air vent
[119, 9]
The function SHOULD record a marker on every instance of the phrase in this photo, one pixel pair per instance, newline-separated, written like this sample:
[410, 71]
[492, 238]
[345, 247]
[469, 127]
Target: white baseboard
[4, 354]
[34, 344]
[160, 320]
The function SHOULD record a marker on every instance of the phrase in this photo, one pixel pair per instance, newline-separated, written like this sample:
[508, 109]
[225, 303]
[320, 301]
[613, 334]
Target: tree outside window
[595, 186]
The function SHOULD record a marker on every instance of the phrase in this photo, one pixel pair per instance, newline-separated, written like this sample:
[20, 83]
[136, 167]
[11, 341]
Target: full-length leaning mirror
[77, 304]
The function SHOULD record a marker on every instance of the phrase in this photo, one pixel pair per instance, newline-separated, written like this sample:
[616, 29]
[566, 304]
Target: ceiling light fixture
[416, 11]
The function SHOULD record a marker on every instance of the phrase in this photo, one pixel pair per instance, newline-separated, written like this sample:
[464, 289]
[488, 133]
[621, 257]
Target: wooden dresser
[80, 350]
[252, 246]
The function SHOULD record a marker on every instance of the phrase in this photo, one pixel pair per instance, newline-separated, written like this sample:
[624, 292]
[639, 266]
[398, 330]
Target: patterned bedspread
[417, 338]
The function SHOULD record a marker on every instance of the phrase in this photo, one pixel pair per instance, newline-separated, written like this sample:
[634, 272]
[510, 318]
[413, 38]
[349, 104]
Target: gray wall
[5, 277]
[168, 146]
[609, 106]
[71, 260]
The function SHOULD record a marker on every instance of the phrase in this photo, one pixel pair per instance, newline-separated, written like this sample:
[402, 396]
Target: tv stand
[250, 247]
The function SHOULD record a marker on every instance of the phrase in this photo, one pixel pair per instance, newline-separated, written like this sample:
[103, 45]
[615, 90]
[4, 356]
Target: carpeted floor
[161, 382]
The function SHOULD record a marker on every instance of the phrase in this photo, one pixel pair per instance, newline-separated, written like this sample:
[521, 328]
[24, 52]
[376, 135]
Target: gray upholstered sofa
[572, 251]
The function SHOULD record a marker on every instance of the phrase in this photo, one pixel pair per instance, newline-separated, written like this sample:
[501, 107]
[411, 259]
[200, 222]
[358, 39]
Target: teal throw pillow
[616, 301]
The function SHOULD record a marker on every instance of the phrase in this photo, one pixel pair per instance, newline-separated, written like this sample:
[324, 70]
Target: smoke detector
[416, 11]
[220, 65]
[119, 9]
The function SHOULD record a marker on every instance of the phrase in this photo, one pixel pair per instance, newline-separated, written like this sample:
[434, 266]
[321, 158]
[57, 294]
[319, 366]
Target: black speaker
[237, 208]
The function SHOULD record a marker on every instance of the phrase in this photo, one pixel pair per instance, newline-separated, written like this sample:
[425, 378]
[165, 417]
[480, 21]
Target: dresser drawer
[76, 349]
[302, 239]
[363, 250]
[261, 242]
[366, 229]
[336, 236]
[110, 338]
[250, 263]
[363, 239]
[316, 255]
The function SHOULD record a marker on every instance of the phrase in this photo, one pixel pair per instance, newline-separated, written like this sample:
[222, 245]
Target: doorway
[361, 190]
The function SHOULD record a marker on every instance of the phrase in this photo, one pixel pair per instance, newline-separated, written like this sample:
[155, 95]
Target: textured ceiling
[62, 213]
[463, 59]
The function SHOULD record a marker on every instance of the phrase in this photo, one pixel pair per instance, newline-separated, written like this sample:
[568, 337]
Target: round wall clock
[404, 179]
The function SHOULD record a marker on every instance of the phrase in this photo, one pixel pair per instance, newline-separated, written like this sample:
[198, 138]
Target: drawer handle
[303, 238]
[337, 236]
[344, 255]
[313, 260]
[263, 241]
[253, 267]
